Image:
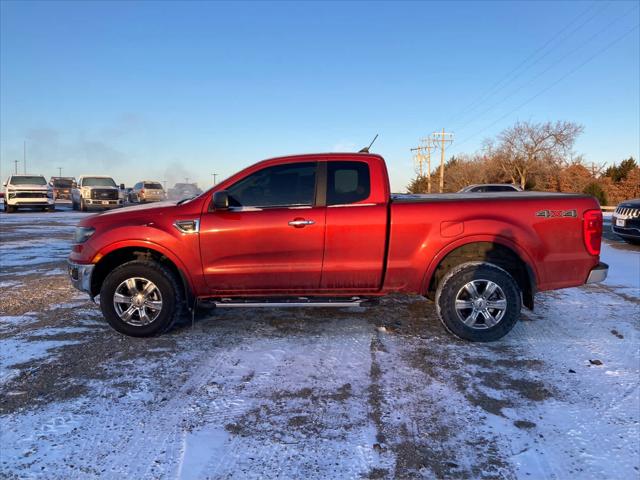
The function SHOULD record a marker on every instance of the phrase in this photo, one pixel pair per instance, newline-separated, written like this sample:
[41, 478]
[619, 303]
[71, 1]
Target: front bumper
[598, 273]
[91, 203]
[80, 275]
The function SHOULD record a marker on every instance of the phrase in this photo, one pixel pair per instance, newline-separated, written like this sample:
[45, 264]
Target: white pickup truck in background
[96, 191]
[31, 191]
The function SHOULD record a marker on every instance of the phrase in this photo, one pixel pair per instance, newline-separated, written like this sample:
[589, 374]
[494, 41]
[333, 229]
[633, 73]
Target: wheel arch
[120, 255]
[496, 251]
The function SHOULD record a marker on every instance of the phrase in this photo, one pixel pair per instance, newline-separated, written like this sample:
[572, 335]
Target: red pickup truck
[324, 230]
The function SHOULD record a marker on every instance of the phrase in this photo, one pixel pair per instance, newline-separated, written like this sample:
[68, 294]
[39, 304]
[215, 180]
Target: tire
[10, 208]
[456, 304]
[51, 208]
[166, 292]
[632, 241]
[83, 206]
[73, 204]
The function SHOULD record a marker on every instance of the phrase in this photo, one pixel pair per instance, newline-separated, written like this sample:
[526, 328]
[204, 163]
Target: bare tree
[530, 149]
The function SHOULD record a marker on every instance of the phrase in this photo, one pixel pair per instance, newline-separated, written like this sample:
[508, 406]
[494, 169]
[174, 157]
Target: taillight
[142, 191]
[592, 231]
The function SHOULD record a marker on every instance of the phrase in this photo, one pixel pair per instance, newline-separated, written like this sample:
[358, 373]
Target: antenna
[366, 149]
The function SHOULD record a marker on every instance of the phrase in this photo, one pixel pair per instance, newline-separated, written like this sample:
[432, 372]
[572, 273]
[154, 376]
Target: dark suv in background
[62, 187]
[626, 221]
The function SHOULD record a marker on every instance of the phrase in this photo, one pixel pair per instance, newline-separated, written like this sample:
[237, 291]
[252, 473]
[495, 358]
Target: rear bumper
[80, 275]
[598, 273]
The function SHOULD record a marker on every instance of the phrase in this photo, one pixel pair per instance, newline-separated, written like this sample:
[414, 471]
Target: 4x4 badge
[556, 213]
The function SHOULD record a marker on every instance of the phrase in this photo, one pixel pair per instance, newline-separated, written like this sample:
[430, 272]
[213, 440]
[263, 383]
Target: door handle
[300, 223]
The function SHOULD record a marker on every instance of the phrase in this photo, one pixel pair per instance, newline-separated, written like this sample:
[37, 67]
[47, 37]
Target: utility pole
[60, 171]
[214, 175]
[427, 146]
[441, 139]
[16, 162]
[24, 156]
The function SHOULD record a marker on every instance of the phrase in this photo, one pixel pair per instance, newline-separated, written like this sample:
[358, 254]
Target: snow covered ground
[350, 393]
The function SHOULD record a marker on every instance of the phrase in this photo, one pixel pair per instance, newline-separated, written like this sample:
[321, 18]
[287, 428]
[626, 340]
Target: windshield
[98, 182]
[28, 180]
[153, 186]
[62, 182]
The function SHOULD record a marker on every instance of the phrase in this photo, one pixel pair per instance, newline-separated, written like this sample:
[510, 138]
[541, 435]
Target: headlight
[82, 234]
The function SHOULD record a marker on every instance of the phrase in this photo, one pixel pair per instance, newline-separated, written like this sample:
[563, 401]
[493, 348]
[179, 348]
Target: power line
[499, 83]
[559, 60]
[549, 87]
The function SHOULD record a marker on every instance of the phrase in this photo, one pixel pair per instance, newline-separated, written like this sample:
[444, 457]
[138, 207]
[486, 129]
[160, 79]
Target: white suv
[28, 191]
[95, 191]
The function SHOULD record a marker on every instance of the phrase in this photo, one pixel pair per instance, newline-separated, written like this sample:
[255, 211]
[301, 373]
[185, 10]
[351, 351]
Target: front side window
[278, 186]
[347, 182]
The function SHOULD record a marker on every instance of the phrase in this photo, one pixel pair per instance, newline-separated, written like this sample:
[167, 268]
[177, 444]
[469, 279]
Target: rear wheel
[141, 299]
[478, 301]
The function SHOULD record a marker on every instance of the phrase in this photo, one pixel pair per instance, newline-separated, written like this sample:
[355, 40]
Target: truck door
[355, 228]
[272, 237]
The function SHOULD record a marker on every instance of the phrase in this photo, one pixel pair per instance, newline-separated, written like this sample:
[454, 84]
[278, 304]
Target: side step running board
[289, 302]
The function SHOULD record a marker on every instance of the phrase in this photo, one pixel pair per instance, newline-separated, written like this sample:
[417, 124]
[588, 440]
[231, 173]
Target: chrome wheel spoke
[489, 319]
[144, 318]
[148, 289]
[464, 304]
[473, 291]
[471, 320]
[128, 313]
[153, 304]
[119, 298]
[491, 288]
[497, 304]
[131, 285]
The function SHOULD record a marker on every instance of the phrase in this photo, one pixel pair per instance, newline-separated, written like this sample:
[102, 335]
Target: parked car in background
[626, 221]
[323, 230]
[491, 187]
[180, 191]
[147, 191]
[96, 191]
[32, 191]
[62, 187]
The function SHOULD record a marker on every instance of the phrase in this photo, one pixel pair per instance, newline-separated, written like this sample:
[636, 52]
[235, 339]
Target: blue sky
[173, 90]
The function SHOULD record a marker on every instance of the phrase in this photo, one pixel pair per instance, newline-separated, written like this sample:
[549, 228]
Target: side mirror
[221, 200]
[122, 186]
[4, 184]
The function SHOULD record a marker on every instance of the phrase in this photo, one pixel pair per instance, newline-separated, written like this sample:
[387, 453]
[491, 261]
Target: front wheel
[141, 299]
[478, 301]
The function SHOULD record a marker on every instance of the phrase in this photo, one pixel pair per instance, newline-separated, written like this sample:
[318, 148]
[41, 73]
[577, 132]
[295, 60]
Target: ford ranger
[324, 230]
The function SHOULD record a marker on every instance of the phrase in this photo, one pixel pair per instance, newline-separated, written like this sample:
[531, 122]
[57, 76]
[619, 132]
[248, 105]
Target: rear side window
[347, 182]
[278, 186]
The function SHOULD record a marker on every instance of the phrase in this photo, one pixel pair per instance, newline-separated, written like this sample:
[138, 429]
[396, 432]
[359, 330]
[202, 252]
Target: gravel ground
[380, 392]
